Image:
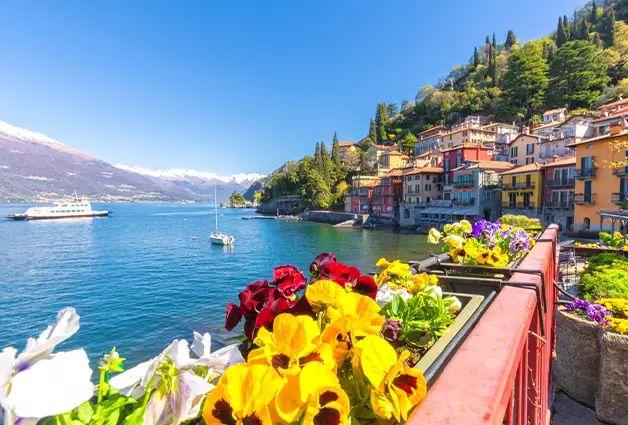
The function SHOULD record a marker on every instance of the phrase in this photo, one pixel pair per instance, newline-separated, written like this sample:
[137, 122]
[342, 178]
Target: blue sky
[233, 86]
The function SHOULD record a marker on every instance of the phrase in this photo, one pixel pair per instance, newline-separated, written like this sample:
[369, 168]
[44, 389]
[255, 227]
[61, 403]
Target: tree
[405, 105]
[317, 153]
[381, 117]
[476, 57]
[487, 51]
[236, 199]
[373, 131]
[594, 16]
[561, 34]
[577, 75]
[608, 30]
[568, 27]
[621, 9]
[525, 81]
[335, 157]
[392, 109]
[584, 29]
[407, 143]
[511, 40]
[597, 41]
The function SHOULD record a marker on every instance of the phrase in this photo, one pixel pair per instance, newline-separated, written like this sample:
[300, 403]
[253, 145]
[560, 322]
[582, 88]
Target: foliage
[397, 276]
[484, 243]
[422, 319]
[578, 74]
[619, 308]
[606, 276]
[561, 33]
[407, 143]
[511, 40]
[522, 221]
[236, 199]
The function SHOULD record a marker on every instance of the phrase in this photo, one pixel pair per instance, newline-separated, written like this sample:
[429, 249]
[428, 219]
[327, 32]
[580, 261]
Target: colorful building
[360, 198]
[388, 194]
[598, 185]
[558, 192]
[455, 157]
[344, 147]
[469, 135]
[375, 151]
[389, 160]
[524, 149]
[522, 190]
[573, 130]
[429, 139]
[554, 115]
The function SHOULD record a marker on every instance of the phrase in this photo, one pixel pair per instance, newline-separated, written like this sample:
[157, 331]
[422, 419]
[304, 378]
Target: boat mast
[216, 207]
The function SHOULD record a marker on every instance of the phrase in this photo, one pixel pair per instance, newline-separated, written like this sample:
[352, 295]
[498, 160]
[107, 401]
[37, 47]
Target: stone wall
[331, 217]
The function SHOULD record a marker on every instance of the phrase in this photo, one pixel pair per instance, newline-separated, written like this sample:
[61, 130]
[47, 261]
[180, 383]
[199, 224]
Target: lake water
[138, 280]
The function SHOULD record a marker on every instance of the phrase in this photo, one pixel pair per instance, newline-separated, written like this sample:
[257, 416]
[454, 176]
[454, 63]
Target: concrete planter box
[576, 369]
[611, 404]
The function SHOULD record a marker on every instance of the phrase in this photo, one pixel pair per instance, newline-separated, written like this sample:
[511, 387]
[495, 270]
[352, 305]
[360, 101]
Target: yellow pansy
[323, 293]
[466, 226]
[495, 258]
[382, 262]
[461, 254]
[362, 310]
[421, 281]
[454, 241]
[294, 342]
[242, 395]
[404, 387]
[433, 236]
[316, 392]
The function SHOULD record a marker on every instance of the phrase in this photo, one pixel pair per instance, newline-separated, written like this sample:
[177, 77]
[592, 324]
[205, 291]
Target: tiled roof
[614, 115]
[496, 165]
[523, 169]
[433, 152]
[345, 144]
[468, 145]
[393, 153]
[395, 172]
[554, 111]
[552, 124]
[423, 170]
[498, 124]
[539, 139]
[615, 103]
[562, 162]
[438, 127]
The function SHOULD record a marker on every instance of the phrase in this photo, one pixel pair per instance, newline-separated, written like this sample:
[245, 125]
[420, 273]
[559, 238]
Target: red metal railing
[500, 375]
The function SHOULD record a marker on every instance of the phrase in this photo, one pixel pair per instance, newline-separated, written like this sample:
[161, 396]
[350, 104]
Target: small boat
[219, 238]
[75, 208]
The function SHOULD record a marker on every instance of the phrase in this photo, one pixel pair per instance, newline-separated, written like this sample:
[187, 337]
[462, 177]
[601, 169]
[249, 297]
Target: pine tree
[584, 30]
[561, 34]
[511, 40]
[608, 30]
[476, 57]
[594, 17]
[381, 117]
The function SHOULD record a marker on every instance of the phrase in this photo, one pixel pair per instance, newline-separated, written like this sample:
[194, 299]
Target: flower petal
[189, 389]
[201, 346]
[52, 387]
[233, 316]
[127, 383]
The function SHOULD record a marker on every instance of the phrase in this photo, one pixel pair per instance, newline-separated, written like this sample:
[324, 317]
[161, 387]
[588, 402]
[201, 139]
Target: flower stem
[101, 381]
[61, 419]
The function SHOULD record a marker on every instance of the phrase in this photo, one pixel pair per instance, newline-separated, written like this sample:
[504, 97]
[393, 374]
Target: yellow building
[522, 190]
[599, 186]
[390, 160]
[462, 136]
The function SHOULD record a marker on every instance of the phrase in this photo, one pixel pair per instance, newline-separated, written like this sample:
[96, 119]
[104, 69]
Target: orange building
[598, 185]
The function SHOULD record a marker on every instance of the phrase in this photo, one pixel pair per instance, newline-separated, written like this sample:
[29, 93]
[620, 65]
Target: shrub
[606, 276]
[521, 221]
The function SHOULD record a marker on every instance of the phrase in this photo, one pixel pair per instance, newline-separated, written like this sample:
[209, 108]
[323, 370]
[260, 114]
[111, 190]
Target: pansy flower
[320, 261]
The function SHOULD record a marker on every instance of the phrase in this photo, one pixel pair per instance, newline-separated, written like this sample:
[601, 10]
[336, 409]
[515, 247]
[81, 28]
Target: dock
[270, 217]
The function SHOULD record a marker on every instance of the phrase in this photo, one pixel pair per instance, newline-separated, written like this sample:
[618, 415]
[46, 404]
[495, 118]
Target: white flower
[51, 387]
[37, 383]
[456, 306]
[434, 291]
[385, 294]
[173, 374]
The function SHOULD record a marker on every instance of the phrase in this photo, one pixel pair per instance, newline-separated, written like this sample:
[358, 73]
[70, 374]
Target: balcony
[517, 186]
[560, 183]
[518, 205]
[619, 198]
[622, 171]
[464, 184]
[585, 173]
[584, 199]
[490, 184]
[558, 205]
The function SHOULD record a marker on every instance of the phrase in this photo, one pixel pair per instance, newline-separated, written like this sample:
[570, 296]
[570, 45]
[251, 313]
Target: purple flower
[594, 312]
[520, 242]
[391, 328]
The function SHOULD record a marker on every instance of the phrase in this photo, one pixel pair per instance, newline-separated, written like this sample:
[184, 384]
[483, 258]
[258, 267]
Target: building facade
[471, 135]
[429, 139]
[360, 198]
[554, 115]
[522, 190]
[389, 160]
[455, 157]
[524, 149]
[344, 147]
[558, 192]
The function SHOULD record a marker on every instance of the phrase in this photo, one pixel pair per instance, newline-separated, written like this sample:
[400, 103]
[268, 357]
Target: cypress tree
[595, 39]
[567, 25]
[381, 117]
[608, 32]
[561, 34]
[476, 57]
[487, 50]
[373, 131]
[317, 153]
[594, 17]
[335, 152]
[511, 40]
[494, 65]
[585, 29]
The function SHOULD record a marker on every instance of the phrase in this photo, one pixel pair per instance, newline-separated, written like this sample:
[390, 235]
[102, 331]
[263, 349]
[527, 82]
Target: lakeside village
[563, 170]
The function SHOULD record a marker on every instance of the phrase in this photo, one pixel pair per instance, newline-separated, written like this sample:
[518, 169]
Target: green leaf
[85, 412]
[135, 418]
[112, 418]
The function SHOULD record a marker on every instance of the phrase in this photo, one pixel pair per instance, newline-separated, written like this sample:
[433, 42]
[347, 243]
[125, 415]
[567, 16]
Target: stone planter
[611, 404]
[577, 365]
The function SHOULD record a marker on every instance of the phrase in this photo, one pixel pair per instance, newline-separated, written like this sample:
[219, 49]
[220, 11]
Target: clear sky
[233, 86]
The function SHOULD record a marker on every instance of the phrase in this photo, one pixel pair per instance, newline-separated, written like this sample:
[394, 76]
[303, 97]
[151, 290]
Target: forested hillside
[581, 65]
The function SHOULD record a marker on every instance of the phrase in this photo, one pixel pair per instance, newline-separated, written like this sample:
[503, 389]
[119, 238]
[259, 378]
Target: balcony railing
[516, 186]
[518, 205]
[560, 183]
[464, 183]
[623, 171]
[490, 184]
[584, 198]
[558, 205]
[585, 173]
[619, 198]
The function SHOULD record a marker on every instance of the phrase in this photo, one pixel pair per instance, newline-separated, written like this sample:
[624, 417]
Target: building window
[428, 187]
[529, 161]
[458, 161]
[488, 195]
[530, 149]
[514, 151]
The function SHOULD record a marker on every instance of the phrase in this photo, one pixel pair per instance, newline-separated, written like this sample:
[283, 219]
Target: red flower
[254, 296]
[366, 286]
[288, 281]
[320, 261]
[233, 317]
[340, 273]
[270, 311]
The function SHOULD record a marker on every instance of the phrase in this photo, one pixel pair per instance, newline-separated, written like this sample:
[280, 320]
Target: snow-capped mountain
[34, 166]
[177, 174]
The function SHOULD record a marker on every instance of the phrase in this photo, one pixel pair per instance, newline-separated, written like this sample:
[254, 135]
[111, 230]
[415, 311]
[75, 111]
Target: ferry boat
[77, 207]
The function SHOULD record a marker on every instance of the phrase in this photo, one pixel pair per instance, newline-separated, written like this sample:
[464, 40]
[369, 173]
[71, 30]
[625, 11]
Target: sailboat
[218, 238]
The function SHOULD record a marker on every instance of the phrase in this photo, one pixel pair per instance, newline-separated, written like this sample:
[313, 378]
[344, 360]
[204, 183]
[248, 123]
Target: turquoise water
[138, 280]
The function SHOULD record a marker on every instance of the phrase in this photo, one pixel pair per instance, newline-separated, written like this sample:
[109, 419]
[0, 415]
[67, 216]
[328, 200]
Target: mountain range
[35, 167]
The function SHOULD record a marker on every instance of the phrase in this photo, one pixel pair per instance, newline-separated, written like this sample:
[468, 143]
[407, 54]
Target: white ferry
[77, 207]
